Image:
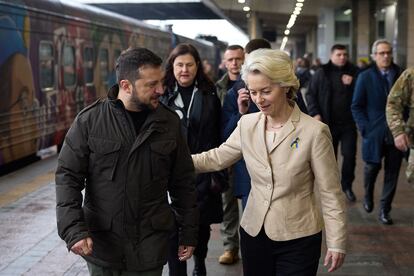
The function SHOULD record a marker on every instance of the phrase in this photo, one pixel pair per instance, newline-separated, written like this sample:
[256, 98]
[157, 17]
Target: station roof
[273, 14]
[162, 9]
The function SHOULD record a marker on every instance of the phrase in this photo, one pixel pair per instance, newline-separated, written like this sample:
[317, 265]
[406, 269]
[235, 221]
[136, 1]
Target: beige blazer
[282, 197]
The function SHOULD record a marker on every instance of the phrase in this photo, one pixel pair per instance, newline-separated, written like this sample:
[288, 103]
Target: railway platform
[29, 244]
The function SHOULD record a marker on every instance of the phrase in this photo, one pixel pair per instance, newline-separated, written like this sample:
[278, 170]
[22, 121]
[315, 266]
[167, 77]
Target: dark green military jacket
[126, 177]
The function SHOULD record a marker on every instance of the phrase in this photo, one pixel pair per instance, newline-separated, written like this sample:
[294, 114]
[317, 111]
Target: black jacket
[126, 178]
[202, 131]
[319, 94]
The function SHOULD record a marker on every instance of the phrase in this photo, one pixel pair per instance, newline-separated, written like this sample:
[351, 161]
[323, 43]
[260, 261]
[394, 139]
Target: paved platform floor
[29, 244]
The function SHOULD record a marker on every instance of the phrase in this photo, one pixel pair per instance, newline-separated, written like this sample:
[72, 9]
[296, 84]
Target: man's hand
[185, 252]
[83, 247]
[346, 79]
[243, 100]
[401, 142]
[335, 258]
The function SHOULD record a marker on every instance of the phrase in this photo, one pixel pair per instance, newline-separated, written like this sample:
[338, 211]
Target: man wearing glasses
[368, 108]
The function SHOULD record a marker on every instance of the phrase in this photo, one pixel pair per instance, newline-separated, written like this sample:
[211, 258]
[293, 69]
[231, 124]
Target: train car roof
[73, 10]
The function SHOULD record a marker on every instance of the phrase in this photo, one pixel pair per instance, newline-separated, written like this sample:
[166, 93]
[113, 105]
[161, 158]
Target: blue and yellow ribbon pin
[295, 143]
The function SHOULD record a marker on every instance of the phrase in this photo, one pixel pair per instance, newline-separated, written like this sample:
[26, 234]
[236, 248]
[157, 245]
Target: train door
[68, 101]
[47, 83]
[115, 51]
[102, 66]
[88, 65]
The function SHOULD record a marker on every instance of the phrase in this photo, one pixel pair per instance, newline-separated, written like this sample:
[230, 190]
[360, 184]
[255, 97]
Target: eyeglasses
[388, 53]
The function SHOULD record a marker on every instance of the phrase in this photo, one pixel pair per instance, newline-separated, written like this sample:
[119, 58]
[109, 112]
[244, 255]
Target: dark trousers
[95, 270]
[347, 136]
[392, 163]
[179, 268]
[265, 257]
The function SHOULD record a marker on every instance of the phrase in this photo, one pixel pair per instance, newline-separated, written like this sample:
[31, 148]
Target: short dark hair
[131, 60]
[234, 47]
[338, 47]
[257, 43]
[203, 81]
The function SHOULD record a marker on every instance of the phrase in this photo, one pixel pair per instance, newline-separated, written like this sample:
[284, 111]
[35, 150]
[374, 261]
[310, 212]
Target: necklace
[276, 127]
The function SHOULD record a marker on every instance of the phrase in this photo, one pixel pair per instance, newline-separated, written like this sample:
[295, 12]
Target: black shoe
[368, 206]
[385, 218]
[350, 195]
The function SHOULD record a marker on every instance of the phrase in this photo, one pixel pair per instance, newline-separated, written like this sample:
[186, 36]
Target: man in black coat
[127, 151]
[329, 99]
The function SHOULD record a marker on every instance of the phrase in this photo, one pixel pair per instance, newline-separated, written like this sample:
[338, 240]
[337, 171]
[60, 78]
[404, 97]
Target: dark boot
[199, 266]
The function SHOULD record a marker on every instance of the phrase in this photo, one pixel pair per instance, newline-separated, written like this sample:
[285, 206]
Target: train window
[117, 53]
[69, 66]
[103, 64]
[47, 65]
[88, 65]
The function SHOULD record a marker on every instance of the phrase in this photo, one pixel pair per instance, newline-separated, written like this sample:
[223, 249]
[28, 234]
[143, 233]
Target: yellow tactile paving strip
[26, 188]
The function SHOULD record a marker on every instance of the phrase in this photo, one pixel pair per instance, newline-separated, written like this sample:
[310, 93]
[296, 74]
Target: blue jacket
[368, 110]
[230, 117]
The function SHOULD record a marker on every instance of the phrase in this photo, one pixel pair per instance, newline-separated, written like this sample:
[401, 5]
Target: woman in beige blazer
[287, 154]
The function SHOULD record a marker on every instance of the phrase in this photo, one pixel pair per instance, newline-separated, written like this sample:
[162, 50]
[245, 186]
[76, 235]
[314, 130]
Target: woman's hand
[335, 258]
[243, 100]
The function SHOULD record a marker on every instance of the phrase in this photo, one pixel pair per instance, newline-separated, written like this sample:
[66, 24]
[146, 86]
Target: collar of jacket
[348, 67]
[393, 67]
[113, 96]
[173, 93]
[222, 83]
[154, 118]
[289, 127]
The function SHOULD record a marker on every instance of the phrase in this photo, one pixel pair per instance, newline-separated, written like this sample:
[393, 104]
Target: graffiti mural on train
[58, 56]
[17, 104]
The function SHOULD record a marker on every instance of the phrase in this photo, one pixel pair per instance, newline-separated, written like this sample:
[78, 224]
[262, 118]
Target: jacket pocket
[104, 156]
[301, 214]
[161, 159]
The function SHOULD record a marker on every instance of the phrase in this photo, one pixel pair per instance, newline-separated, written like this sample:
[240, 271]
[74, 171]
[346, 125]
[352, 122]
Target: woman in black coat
[192, 95]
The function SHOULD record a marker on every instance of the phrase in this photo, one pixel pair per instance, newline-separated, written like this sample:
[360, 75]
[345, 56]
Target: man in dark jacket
[329, 98]
[127, 151]
[368, 108]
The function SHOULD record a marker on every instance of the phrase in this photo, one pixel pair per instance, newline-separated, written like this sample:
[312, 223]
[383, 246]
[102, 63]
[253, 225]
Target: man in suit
[368, 109]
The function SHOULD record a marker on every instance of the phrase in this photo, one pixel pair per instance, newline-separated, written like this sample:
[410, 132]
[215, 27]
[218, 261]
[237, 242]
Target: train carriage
[56, 57]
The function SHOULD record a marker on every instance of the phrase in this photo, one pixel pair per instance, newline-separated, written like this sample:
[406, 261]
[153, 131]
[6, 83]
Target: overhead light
[298, 9]
[241, 1]
[246, 8]
[284, 41]
[347, 12]
[287, 32]
[301, 1]
[299, 5]
[296, 12]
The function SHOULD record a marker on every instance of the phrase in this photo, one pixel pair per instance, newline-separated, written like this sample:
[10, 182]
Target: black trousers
[392, 164]
[347, 136]
[179, 268]
[265, 257]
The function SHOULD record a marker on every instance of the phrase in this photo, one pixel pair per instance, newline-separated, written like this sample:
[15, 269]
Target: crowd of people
[169, 152]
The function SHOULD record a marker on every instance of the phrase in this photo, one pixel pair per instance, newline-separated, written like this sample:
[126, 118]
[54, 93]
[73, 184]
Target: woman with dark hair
[192, 95]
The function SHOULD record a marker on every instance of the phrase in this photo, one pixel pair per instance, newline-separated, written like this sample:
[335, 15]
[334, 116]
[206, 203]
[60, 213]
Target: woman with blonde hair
[287, 153]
